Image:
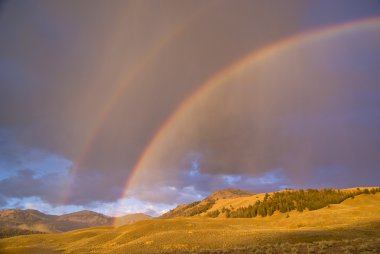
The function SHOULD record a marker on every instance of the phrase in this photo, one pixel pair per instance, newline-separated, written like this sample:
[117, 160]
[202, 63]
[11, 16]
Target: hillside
[206, 204]
[353, 226]
[241, 204]
[30, 220]
[14, 222]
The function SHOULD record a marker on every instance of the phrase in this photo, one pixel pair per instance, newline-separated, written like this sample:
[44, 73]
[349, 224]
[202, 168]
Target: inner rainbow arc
[234, 69]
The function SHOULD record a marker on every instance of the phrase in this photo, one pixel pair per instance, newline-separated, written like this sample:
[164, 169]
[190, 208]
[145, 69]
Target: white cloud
[119, 208]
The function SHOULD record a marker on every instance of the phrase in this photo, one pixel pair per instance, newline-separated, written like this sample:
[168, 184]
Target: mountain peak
[229, 193]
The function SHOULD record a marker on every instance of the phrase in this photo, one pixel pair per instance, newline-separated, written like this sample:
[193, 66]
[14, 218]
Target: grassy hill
[206, 204]
[245, 201]
[241, 204]
[352, 226]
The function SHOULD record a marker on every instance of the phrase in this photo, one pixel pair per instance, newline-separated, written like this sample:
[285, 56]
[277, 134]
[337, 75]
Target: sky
[137, 106]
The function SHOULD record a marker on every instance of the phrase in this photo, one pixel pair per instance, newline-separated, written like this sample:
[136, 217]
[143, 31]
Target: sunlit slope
[217, 204]
[201, 207]
[239, 202]
[353, 218]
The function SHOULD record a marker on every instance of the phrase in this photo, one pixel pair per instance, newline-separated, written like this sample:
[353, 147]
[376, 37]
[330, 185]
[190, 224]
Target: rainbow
[236, 68]
[147, 59]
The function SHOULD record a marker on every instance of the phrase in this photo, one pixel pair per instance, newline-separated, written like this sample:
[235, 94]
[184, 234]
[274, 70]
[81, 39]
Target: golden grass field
[350, 227]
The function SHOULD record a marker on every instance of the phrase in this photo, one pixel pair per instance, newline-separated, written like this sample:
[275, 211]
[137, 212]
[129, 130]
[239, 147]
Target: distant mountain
[15, 222]
[204, 205]
[30, 220]
[81, 219]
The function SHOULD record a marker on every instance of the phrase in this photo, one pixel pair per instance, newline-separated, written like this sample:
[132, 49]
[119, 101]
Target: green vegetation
[9, 232]
[193, 204]
[190, 210]
[202, 207]
[213, 214]
[299, 200]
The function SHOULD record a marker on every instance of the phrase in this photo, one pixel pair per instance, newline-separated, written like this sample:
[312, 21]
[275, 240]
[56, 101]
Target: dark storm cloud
[25, 184]
[87, 188]
[95, 186]
[3, 201]
[61, 61]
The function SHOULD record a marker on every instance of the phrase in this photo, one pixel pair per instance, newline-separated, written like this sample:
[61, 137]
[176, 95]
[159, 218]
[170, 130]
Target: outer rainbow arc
[118, 93]
[237, 67]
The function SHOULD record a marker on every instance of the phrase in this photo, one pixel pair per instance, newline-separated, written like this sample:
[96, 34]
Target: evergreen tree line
[213, 214]
[200, 208]
[9, 232]
[290, 200]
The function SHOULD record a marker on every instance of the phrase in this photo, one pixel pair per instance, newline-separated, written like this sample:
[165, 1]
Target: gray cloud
[25, 184]
[3, 201]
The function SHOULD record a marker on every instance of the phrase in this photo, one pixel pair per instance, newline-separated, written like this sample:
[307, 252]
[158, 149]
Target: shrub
[198, 208]
[213, 214]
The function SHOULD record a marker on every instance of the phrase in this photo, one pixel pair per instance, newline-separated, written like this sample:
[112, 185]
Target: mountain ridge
[34, 221]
